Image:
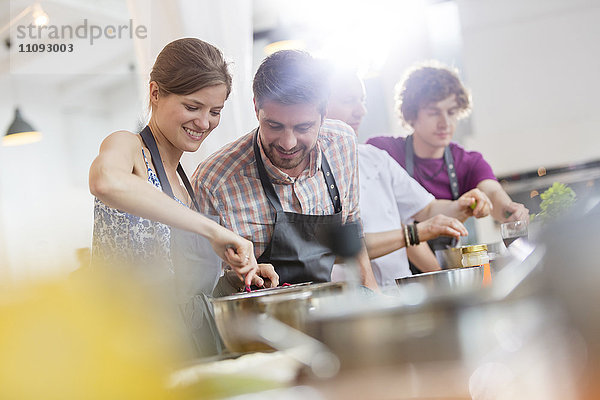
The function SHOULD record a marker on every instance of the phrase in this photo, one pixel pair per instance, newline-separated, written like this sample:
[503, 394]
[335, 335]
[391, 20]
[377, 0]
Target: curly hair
[292, 77]
[428, 83]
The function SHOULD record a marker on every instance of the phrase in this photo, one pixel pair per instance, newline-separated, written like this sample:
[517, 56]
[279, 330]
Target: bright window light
[357, 33]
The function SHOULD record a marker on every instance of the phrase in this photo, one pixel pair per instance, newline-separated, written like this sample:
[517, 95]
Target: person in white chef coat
[390, 200]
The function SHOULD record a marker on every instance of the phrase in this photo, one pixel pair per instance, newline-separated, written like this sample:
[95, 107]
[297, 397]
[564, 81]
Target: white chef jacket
[388, 198]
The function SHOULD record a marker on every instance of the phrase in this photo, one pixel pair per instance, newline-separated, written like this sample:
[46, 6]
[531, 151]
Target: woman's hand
[235, 251]
[440, 225]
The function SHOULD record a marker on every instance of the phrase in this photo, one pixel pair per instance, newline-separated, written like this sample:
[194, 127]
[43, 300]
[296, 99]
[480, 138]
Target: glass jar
[477, 256]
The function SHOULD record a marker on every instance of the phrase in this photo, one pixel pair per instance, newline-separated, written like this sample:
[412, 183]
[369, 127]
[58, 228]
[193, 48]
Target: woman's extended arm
[117, 179]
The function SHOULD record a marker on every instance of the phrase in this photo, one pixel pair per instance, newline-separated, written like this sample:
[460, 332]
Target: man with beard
[291, 179]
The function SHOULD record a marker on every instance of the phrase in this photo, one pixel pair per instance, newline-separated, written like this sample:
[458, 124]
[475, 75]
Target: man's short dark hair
[430, 83]
[292, 77]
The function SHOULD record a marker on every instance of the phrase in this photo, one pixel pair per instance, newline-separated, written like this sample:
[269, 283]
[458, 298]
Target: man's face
[347, 102]
[436, 122]
[288, 133]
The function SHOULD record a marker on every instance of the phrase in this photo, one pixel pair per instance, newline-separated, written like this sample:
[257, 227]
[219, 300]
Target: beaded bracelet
[411, 235]
[416, 240]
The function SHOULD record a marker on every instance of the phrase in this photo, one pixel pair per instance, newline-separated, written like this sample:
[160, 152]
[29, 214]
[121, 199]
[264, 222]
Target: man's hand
[440, 225]
[266, 276]
[515, 212]
[474, 203]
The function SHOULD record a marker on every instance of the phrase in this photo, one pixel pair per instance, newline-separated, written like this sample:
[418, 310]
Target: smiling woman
[157, 234]
[189, 84]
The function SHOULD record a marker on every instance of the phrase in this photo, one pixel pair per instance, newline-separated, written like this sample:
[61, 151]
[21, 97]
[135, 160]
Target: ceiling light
[20, 132]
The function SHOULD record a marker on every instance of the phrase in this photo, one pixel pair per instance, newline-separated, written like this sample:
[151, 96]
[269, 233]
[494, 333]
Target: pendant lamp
[20, 132]
[282, 39]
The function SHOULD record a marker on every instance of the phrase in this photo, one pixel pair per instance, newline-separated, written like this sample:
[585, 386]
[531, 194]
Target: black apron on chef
[442, 242]
[196, 270]
[297, 248]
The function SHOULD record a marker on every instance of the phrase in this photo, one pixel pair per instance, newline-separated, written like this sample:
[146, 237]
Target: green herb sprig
[556, 200]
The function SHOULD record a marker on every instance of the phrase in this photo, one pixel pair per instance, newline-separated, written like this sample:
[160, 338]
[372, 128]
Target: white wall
[533, 68]
[45, 204]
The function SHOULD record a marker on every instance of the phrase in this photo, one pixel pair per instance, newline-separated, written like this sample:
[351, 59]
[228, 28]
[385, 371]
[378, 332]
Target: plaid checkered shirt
[227, 184]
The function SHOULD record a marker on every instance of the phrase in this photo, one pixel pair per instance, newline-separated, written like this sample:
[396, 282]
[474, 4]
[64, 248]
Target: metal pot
[496, 339]
[289, 304]
[449, 258]
[450, 280]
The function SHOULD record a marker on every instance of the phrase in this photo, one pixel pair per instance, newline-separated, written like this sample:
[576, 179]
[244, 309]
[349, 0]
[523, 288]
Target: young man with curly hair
[431, 100]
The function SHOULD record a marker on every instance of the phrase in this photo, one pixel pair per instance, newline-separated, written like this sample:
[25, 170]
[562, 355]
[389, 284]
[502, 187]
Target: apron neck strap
[150, 143]
[410, 156]
[448, 160]
[332, 188]
[269, 190]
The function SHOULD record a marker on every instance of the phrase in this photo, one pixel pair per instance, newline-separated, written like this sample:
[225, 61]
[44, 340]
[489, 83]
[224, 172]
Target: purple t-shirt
[432, 173]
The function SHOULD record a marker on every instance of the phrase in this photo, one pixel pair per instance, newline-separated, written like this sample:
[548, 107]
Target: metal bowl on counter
[466, 278]
[288, 304]
[449, 258]
[472, 342]
[457, 344]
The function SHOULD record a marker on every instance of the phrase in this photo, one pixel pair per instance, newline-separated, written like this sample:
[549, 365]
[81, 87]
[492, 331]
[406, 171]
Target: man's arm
[423, 258]
[504, 209]
[381, 243]
[366, 271]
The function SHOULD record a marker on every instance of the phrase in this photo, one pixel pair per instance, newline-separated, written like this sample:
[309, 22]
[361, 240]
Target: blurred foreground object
[572, 277]
[90, 338]
[556, 200]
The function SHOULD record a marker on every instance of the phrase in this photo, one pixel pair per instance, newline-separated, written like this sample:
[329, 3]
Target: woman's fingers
[240, 255]
[244, 265]
[231, 257]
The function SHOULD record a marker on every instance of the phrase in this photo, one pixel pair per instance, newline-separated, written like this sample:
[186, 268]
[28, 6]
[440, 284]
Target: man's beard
[286, 163]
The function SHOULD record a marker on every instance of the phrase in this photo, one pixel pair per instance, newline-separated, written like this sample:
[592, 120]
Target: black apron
[196, 269]
[298, 249]
[442, 242]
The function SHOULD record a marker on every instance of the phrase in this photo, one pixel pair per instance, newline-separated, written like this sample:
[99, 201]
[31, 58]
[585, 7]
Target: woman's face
[186, 120]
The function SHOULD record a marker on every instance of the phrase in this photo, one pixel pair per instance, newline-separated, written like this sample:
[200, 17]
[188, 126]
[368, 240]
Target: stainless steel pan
[449, 280]
[288, 304]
